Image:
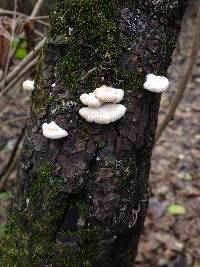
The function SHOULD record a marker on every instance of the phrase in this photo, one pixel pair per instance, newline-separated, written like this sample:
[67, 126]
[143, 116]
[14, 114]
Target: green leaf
[188, 177]
[176, 209]
[5, 196]
[21, 52]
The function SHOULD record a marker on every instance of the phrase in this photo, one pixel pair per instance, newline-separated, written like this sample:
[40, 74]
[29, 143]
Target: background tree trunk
[81, 201]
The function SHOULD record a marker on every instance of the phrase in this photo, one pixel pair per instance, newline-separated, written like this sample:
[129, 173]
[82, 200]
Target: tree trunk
[81, 201]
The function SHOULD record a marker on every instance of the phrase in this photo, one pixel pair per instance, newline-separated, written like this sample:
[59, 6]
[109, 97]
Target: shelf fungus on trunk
[108, 94]
[104, 114]
[53, 131]
[90, 100]
[156, 84]
[29, 85]
[102, 105]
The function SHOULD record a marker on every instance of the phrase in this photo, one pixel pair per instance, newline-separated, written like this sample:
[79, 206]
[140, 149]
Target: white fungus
[53, 131]
[70, 31]
[90, 100]
[104, 114]
[108, 94]
[29, 85]
[156, 84]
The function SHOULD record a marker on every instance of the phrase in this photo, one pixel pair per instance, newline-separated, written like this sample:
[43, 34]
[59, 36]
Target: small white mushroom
[29, 85]
[90, 100]
[104, 114]
[53, 131]
[108, 94]
[156, 84]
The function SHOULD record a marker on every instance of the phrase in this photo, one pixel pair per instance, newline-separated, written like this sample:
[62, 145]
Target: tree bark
[82, 201]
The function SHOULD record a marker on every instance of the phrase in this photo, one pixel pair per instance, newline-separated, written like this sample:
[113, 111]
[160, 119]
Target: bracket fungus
[108, 94]
[102, 105]
[156, 84]
[104, 114]
[53, 131]
[28, 85]
[90, 100]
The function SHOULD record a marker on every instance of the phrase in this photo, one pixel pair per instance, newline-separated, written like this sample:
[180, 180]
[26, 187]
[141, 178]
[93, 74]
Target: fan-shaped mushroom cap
[156, 84]
[90, 100]
[108, 94]
[53, 131]
[29, 85]
[104, 114]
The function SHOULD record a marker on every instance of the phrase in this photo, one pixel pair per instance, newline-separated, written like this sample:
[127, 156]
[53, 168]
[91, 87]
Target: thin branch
[22, 74]
[6, 177]
[184, 81]
[41, 22]
[40, 18]
[37, 8]
[24, 62]
[10, 48]
[1, 75]
[12, 161]
[13, 120]
[88, 74]
[14, 151]
[10, 13]
[38, 33]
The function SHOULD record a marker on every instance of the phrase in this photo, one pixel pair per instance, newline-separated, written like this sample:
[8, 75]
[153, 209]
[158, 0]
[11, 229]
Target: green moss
[41, 100]
[82, 207]
[85, 250]
[43, 175]
[30, 233]
[101, 143]
[133, 81]
[89, 40]
[89, 31]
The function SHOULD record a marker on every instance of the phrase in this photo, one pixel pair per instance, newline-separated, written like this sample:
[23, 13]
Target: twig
[5, 178]
[13, 120]
[24, 62]
[10, 13]
[12, 161]
[23, 73]
[22, 15]
[40, 18]
[9, 50]
[38, 33]
[14, 151]
[1, 75]
[37, 8]
[186, 77]
[88, 74]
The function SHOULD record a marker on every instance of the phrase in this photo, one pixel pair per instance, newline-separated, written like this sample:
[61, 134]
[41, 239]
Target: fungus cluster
[102, 105]
[156, 84]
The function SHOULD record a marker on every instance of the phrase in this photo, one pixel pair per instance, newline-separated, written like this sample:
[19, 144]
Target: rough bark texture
[77, 199]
